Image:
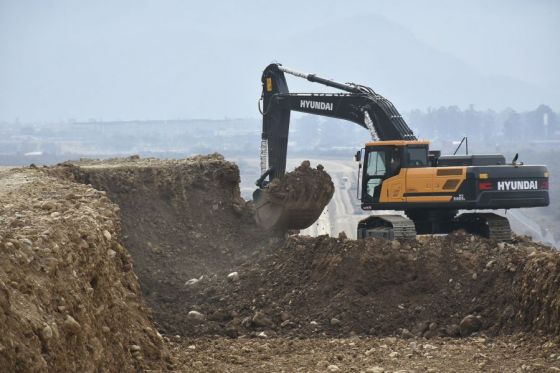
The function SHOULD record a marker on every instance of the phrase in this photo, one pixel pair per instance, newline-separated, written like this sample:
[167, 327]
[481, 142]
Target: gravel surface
[521, 353]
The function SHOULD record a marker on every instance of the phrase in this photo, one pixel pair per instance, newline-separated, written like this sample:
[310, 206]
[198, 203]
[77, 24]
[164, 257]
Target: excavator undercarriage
[393, 227]
[389, 227]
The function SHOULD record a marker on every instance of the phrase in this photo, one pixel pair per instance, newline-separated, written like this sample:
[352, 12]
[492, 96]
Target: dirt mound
[437, 286]
[69, 300]
[181, 220]
[206, 269]
[538, 291]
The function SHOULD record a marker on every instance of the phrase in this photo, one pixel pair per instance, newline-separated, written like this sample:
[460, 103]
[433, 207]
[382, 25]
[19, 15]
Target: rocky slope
[69, 298]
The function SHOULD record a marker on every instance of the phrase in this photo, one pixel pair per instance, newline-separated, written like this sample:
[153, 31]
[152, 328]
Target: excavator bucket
[294, 201]
[291, 215]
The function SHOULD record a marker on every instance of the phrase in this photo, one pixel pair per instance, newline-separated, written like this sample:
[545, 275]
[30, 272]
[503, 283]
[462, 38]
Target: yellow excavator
[396, 170]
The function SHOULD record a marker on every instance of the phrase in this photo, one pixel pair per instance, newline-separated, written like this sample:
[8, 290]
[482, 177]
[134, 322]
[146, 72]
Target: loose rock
[47, 332]
[335, 322]
[233, 277]
[261, 320]
[469, 324]
[192, 281]
[195, 315]
[71, 325]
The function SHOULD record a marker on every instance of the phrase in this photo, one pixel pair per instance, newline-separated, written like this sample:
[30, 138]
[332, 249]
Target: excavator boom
[360, 105]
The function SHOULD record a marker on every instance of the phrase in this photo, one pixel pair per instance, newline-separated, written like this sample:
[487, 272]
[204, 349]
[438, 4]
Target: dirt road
[376, 355]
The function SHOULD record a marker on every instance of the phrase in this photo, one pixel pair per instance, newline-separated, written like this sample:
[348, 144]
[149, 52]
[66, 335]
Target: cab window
[417, 156]
[376, 163]
[375, 172]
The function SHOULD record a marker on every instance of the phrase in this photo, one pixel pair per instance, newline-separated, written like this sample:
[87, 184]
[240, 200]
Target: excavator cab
[386, 159]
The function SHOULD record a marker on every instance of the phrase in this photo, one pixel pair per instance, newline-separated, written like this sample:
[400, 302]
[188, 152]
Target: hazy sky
[183, 59]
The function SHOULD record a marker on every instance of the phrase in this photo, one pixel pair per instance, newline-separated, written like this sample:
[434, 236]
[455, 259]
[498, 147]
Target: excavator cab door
[380, 163]
[374, 172]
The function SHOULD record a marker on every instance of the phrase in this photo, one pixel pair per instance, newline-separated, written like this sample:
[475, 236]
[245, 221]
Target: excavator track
[488, 225]
[395, 227]
[390, 227]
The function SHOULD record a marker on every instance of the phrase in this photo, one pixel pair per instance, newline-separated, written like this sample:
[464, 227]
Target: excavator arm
[358, 104]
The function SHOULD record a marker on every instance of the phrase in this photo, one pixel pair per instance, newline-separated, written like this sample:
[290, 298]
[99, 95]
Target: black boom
[360, 105]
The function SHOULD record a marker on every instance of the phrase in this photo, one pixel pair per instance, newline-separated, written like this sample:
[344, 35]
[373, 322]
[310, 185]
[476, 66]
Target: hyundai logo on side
[518, 185]
[318, 105]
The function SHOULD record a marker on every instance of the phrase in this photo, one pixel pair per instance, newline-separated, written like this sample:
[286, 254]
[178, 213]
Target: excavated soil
[452, 286]
[69, 299]
[228, 297]
[295, 200]
[181, 220]
[304, 186]
[205, 269]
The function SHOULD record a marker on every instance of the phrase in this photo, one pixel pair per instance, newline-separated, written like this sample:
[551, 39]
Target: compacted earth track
[367, 354]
